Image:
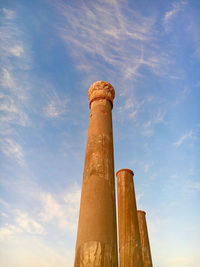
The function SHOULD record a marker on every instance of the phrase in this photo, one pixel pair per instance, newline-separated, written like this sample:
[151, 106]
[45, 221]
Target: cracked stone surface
[97, 230]
[146, 251]
[130, 251]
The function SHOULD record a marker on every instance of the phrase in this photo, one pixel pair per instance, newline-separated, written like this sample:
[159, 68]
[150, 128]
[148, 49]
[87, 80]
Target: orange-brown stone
[96, 244]
[146, 251]
[130, 252]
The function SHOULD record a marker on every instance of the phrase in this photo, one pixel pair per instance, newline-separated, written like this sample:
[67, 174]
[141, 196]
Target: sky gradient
[50, 54]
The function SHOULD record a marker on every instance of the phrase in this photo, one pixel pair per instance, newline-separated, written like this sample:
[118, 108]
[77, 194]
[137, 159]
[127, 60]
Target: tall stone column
[130, 252]
[146, 251]
[96, 244]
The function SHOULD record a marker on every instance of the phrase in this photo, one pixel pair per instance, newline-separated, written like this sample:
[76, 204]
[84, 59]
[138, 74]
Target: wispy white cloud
[184, 137]
[52, 210]
[52, 213]
[177, 6]
[148, 126]
[56, 107]
[15, 85]
[8, 230]
[139, 197]
[146, 167]
[197, 51]
[3, 214]
[62, 211]
[3, 203]
[171, 13]
[14, 82]
[8, 13]
[16, 50]
[132, 107]
[110, 41]
[22, 223]
[12, 111]
[13, 150]
[129, 104]
[30, 251]
[7, 80]
[193, 186]
[174, 176]
[28, 224]
[182, 96]
[116, 35]
[156, 223]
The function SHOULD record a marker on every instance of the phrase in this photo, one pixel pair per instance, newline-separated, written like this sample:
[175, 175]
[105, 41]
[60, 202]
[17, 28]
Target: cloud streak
[63, 211]
[101, 34]
[177, 6]
[9, 14]
[148, 126]
[14, 82]
[15, 61]
[23, 224]
[56, 107]
[184, 137]
[13, 150]
[193, 186]
[109, 41]
[57, 211]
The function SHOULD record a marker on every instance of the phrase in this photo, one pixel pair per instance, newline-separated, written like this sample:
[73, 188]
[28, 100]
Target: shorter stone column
[130, 253]
[146, 252]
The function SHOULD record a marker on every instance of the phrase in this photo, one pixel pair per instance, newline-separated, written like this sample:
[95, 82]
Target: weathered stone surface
[101, 90]
[130, 252]
[94, 254]
[146, 251]
[97, 232]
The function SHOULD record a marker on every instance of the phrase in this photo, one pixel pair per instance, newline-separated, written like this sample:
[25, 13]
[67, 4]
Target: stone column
[130, 252]
[146, 252]
[96, 244]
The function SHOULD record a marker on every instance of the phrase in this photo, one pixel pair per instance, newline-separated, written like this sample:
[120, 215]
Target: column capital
[125, 170]
[101, 90]
[142, 211]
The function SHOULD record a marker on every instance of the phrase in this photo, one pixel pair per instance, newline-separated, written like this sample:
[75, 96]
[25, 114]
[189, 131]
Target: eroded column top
[125, 171]
[101, 90]
[142, 211]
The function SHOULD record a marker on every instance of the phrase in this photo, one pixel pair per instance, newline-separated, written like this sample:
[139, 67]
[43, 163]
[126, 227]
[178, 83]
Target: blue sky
[51, 52]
